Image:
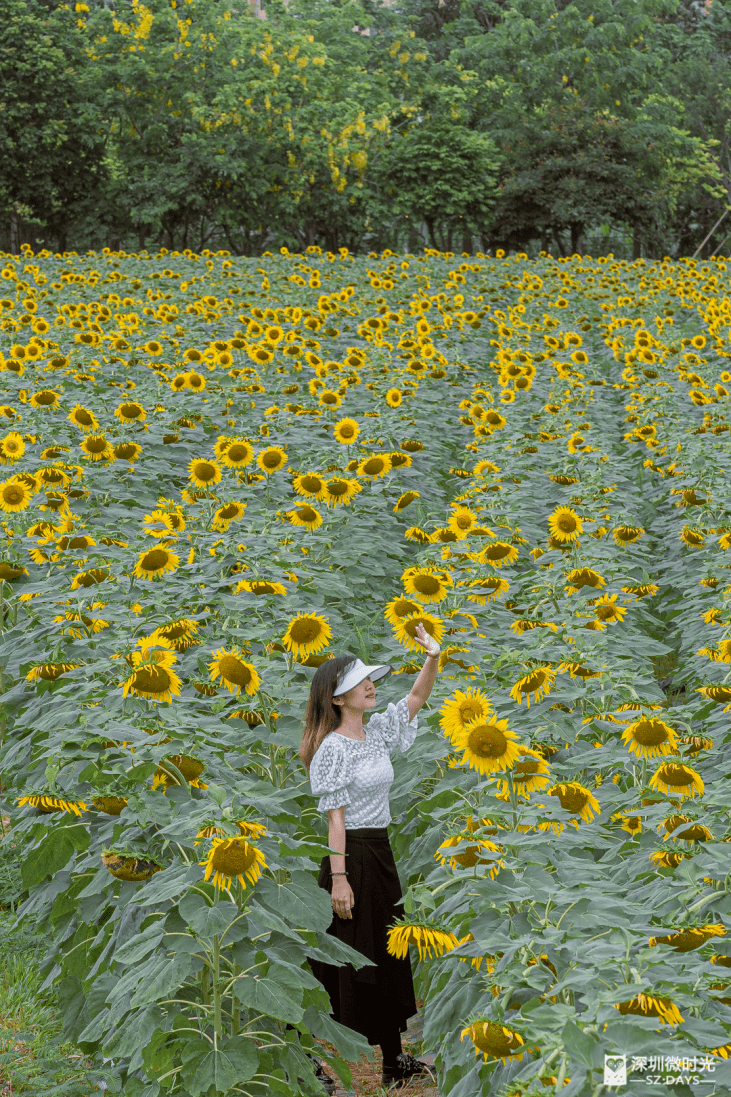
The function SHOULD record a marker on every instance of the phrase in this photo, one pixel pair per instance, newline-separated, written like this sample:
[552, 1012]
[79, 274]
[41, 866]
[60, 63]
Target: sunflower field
[217, 473]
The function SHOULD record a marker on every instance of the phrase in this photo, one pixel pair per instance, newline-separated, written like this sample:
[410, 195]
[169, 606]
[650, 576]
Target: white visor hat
[356, 671]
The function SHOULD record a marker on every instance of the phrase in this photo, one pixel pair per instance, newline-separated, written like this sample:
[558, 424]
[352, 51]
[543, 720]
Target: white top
[357, 773]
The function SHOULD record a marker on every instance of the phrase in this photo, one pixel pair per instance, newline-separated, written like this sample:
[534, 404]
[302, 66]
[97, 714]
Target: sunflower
[576, 799]
[110, 805]
[235, 673]
[494, 1041]
[192, 355]
[462, 520]
[429, 940]
[310, 484]
[236, 455]
[415, 533]
[12, 446]
[346, 431]
[577, 670]
[228, 513]
[484, 467]
[131, 412]
[406, 629]
[14, 495]
[565, 525]
[45, 398]
[530, 773]
[194, 381]
[260, 587]
[305, 516]
[400, 608]
[48, 804]
[272, 459]
[443, 535]
[489, 745]
[692, 537]
[536, 682]
[180, 634]
[687, 940]
[650, 737]
[152, 676]
[378, 464]
[583, 577]
[233, 857]
[49, 672]
[487, 590]
[158, 524]
[97, 447]
[10, 572]
[127, 451]
[498, 553]
[203, 473]
[720, 694]
[475, 854]
[155, 563]
[90, 578]
[427, 585]
[339, 491]
[607, 610]
[627, 535]
[463, 709]
[306, 634]
[329, 399]
[641, 590]
[677, 779]
[394, 399]
[682, 827]
[647, 1005]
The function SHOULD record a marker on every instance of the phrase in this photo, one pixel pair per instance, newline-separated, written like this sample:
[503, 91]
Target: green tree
[443, 175]
[50, 153]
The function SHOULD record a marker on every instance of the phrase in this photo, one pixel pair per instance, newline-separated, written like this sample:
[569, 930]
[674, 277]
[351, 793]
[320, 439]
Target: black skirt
[374, 1001]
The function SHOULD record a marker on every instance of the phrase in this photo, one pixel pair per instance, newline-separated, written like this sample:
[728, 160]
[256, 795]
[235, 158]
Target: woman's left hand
[429, 644]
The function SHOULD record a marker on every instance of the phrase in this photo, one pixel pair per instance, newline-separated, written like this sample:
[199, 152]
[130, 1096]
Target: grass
[34, 1059]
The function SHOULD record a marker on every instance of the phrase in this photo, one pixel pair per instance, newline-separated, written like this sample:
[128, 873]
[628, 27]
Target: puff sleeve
[394, 726]
[330, 773]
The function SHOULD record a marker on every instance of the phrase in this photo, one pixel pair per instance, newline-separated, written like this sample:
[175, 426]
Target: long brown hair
[323, 715]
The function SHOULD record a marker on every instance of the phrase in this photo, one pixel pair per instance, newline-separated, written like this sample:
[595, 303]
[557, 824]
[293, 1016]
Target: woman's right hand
[342, 897]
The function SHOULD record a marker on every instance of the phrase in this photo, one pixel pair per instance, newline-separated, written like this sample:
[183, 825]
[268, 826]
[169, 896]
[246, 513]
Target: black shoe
[327, 1083]
[406, 1067]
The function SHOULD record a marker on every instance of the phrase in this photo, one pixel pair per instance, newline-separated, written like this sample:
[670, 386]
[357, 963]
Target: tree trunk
[577, 241]
[636, 244]
[14, 234]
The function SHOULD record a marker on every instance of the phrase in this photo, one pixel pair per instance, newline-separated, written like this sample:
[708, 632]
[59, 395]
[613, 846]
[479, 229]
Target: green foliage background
[462, 125]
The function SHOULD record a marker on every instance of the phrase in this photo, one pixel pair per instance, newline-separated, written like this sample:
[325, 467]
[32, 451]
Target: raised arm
[424, 684]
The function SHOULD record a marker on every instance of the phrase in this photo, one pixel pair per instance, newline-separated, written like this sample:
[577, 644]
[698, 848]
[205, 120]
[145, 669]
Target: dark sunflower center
[272, 459]
[487, 741]
[151, 679]
[13, 494]
[427, 584]
[155, 560]
[205, 471]
[305, 630]
[234, 857]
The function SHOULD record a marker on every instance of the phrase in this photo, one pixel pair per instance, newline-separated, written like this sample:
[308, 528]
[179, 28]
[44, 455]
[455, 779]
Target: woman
[350, 770]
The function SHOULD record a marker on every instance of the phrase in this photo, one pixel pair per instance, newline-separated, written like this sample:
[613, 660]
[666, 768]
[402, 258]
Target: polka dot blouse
[357, 774]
